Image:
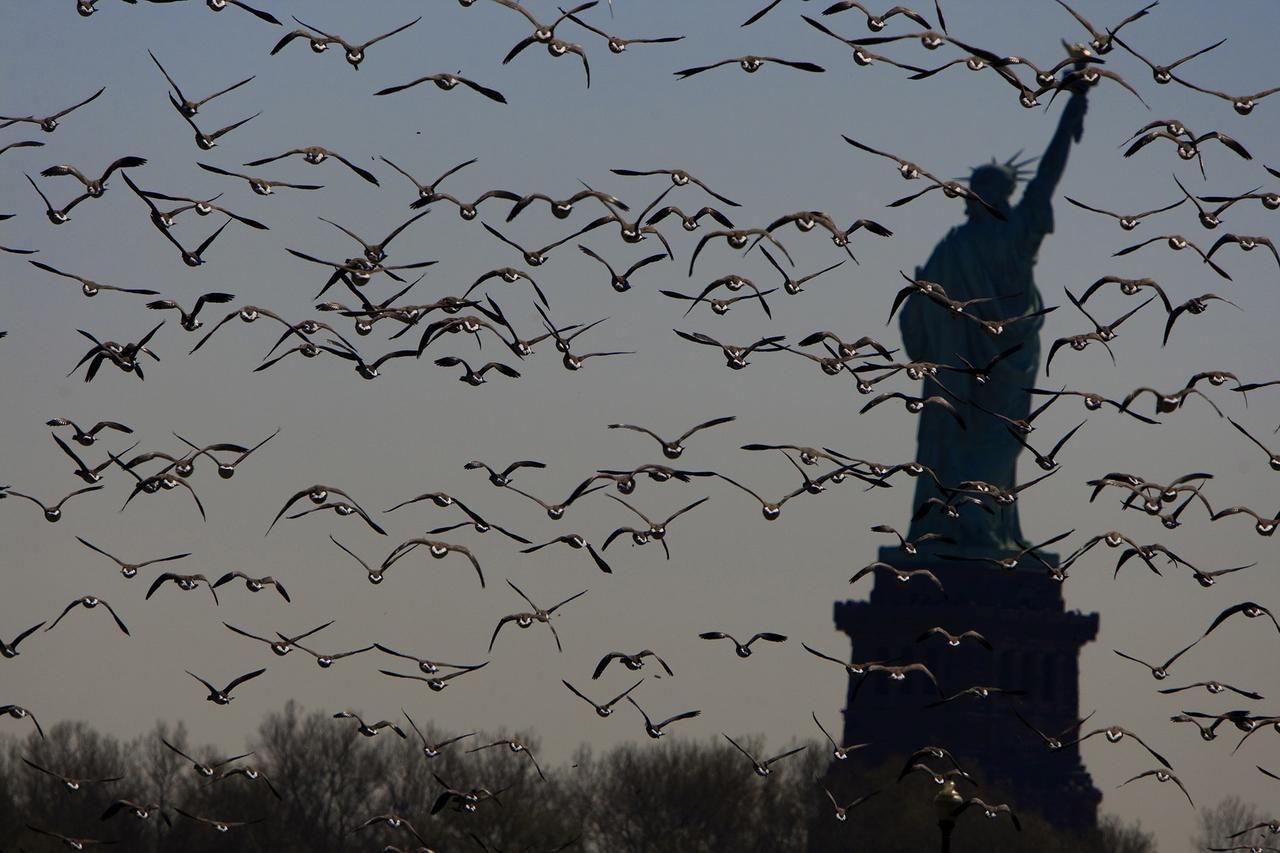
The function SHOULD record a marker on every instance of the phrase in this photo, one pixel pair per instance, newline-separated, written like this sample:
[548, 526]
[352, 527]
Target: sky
[771, 141]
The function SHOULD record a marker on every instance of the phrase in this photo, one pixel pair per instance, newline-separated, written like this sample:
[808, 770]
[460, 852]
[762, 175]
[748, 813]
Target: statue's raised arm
[1053, 163]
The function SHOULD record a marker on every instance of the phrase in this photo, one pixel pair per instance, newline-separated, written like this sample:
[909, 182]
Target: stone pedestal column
[1036, 648]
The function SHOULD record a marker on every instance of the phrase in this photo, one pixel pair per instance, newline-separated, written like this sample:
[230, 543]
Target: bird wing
[504, 620]
[783, 755]
[689, 72]
[243, 678]
[738, 746]
[491, 94]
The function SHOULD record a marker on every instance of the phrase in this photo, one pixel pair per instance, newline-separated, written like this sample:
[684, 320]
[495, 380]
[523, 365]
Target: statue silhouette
[985, 257]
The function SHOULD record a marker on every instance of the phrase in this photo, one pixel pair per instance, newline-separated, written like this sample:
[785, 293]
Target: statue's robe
[984, 257]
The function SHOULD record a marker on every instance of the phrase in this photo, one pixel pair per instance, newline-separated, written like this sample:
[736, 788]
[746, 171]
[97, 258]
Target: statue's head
[995, 183]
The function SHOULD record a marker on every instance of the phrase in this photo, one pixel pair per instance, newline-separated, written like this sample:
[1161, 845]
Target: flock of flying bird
[869, 363]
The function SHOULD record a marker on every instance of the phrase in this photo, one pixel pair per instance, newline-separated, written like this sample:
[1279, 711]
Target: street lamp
[947, 802]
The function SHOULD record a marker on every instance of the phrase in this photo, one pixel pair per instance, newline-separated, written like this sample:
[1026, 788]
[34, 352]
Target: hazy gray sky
[770, 141]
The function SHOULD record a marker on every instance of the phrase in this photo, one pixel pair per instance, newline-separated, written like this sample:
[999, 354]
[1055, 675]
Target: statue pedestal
[1036, 648]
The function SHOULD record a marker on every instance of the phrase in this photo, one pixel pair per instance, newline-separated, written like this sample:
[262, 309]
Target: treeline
[673, 796]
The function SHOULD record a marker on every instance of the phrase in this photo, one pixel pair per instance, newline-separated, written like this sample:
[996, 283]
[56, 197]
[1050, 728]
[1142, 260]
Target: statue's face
[994, 185]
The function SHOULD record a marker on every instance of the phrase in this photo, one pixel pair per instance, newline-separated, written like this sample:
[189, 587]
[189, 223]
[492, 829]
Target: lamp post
[947, 801]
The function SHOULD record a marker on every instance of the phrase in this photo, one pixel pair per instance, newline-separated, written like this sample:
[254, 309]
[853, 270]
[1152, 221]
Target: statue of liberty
[985, 257]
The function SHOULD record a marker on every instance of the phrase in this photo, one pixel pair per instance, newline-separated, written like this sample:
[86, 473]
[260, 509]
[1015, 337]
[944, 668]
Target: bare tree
[679, 794]
[1231, 815]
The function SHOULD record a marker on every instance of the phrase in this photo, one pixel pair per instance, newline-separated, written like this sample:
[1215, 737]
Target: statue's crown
[1007, 174]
